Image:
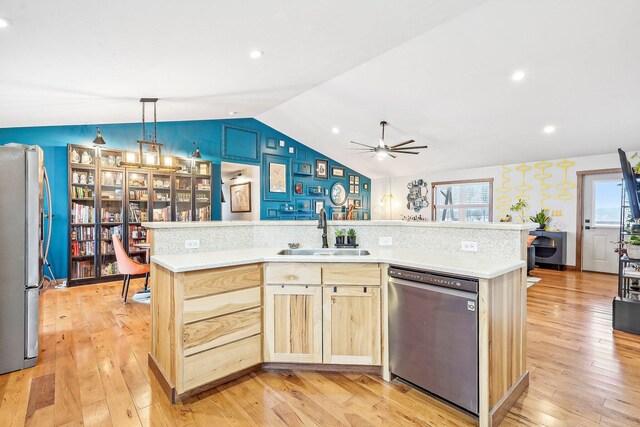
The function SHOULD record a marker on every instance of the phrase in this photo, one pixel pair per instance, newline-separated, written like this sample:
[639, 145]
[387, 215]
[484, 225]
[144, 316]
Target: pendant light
[196, 154]
[153, 156]
[99, 139]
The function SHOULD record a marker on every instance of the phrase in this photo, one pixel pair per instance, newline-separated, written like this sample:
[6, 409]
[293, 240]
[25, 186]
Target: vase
[339, 240]
[351, 240]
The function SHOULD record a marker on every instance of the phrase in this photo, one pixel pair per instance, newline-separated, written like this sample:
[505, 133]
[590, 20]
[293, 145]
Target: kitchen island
[217, 315]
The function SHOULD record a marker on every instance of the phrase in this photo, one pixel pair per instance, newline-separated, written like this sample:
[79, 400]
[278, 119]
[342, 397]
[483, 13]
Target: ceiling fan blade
[391, 155]
[403, 143]
[364, 145]
[363, 149]
[415, 147]
[404, 152]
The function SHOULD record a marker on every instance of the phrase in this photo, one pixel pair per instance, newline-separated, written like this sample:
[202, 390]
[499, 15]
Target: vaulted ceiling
[439, 71]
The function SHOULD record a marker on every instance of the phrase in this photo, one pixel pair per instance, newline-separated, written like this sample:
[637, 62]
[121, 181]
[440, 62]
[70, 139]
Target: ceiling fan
[383, 150]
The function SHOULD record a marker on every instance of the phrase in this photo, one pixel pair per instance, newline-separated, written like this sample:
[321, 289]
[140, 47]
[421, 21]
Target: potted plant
[351, 237]
[519, 207]
[541, 218]
[340, 236]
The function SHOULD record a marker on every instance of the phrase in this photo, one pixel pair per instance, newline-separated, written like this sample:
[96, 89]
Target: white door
[601, 208]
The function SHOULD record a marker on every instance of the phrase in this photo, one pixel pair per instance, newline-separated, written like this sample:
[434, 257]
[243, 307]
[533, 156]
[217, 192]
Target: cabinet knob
[292, 277]
[333, 300]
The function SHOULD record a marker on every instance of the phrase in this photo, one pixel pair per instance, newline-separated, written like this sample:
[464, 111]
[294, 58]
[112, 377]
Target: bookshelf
[82, 217]
[107, 199]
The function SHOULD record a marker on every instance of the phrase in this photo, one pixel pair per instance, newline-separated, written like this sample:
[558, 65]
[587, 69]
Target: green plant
[633, 240]
[340, 232]
[519, 207]
[351, 232]
[540, 217]
[636, 167]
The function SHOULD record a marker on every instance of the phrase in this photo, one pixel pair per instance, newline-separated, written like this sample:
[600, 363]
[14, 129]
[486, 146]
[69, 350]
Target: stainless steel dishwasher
[433, 333]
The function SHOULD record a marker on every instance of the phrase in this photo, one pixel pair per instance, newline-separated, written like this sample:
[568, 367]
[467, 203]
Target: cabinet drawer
[219, 280]
[221, 330]
[221, 361]
[294, 273]
[221, 304]
[351, 274]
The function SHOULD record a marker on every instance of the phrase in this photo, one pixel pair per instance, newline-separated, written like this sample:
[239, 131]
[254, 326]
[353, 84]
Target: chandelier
[153, 158]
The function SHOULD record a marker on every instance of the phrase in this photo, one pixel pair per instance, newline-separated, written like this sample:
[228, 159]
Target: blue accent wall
[246, 141]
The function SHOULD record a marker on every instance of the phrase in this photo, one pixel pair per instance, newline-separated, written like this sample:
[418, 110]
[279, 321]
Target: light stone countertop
[482, 268]
[376, 223]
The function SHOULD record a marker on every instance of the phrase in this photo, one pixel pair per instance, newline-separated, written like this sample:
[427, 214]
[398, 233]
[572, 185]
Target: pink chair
[128, 267]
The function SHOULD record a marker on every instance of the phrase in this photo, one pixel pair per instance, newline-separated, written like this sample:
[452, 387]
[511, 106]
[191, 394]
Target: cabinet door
[293, 323]
[351, 332]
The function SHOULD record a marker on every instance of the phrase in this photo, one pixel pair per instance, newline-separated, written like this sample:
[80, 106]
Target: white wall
[540, 184]
[249, 174]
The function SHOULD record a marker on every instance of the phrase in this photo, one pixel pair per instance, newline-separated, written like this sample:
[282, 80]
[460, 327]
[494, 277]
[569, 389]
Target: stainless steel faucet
[322, 223]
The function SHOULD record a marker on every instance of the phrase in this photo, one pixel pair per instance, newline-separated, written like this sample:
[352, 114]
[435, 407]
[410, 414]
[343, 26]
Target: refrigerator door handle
[49, 215]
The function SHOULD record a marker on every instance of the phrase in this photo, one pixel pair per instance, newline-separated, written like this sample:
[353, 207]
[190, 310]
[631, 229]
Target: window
[465, 201]
[606, 203]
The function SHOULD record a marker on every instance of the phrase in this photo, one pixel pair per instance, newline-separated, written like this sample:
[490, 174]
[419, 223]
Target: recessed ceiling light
[255, 54]
[518, 76]
[233, 113]
[549, 129]
[335, 130]
[4, 22]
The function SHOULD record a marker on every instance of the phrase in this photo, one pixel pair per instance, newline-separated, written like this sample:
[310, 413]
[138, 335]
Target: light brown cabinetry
[207, 326]
[293, 323]
[331, 314]
[351, 325]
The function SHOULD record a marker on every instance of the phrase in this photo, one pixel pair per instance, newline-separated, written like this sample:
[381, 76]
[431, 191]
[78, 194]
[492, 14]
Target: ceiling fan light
[381, 154]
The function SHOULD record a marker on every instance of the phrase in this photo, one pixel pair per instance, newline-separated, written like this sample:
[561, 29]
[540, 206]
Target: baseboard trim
[166, 385]
[365, 369]
[501, 409]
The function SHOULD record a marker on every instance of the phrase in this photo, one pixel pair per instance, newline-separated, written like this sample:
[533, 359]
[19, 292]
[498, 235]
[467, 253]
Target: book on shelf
[108, 216]
[82, 248]
[108, 232]
[82, 214]
[203, 214]
[134, 212]
[81, 233]
[184, 216]
[161, 214]
[82, 269]
[106, 248]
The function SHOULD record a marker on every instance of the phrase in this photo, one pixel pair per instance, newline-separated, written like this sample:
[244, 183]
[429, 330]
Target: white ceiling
[437, 70]
[450, 88]
[89, 61]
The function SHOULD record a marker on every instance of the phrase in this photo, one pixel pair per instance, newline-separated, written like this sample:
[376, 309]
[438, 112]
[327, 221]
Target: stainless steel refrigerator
[21, 253]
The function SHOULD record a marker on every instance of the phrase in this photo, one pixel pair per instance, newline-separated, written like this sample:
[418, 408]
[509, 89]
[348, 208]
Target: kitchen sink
[339, 252]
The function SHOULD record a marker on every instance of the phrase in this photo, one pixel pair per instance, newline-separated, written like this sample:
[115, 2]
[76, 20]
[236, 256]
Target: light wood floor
[93, 371]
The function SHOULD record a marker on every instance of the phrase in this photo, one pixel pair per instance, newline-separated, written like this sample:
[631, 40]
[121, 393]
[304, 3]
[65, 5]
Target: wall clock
[338, 194]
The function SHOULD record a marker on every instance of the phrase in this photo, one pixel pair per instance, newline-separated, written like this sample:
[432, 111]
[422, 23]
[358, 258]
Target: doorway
[240, 192]
[599, 220]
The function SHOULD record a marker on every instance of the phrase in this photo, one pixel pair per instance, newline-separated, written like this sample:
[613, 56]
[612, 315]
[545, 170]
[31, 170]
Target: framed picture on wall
[298, 187]
[337, 172]
[276, 175]
[240, 197]
[365, 186]
[277, 178]
[318, 205]
[303, 205]
[322, 169]
[352, 179]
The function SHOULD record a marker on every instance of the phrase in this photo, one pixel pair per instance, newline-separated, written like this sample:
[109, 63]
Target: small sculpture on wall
[417, 196]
